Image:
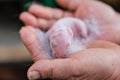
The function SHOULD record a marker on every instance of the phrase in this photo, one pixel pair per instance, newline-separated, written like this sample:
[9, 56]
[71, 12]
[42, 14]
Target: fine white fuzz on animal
[68, 35]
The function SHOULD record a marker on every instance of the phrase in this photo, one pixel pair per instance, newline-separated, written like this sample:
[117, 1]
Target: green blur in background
[26, 3]
[51, 3]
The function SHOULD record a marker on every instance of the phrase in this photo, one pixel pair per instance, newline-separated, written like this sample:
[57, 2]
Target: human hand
[30, 35]
[98, 62]
[93, 20]
[100, 57]
[93, 12]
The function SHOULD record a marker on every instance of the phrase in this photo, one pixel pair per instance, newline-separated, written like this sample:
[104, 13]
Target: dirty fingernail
[33, 75]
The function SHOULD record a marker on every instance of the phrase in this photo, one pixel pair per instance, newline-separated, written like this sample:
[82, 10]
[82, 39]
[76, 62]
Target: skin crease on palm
[91, 23]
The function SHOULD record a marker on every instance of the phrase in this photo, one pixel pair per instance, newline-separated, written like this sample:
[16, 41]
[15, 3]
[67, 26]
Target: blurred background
[14, 57]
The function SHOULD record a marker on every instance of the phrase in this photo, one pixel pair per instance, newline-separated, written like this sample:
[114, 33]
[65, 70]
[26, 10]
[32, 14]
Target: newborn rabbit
[67, 35]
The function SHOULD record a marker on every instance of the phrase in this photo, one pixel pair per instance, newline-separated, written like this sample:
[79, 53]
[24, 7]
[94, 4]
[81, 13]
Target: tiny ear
[81, 27]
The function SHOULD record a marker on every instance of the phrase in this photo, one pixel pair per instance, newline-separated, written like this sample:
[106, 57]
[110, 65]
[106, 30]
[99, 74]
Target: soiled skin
[99, 61]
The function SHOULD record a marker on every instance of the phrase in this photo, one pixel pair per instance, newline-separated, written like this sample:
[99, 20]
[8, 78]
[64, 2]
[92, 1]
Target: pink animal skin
[68, 35]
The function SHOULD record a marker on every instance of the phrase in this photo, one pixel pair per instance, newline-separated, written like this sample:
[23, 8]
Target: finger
[34, 41]
[68, 14]
[69, 4]
[28, 19]
[45, 24]
[88, 9]
[76, 67]
[31, 20]
[45, 12]
[55, 69]
[102, 44]
[94, 10]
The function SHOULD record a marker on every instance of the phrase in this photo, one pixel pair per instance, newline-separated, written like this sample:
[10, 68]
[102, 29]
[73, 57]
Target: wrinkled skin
[101, 59]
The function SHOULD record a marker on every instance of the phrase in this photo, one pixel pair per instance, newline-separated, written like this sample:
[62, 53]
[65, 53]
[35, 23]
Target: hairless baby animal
[67, 36]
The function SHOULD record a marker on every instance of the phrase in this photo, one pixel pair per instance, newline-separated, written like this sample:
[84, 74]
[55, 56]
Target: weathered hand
[98, 62]
[94, 13]
[98, 21]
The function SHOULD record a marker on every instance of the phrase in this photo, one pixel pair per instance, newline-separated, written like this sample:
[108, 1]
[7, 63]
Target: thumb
[71, 5]
[54, 69]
